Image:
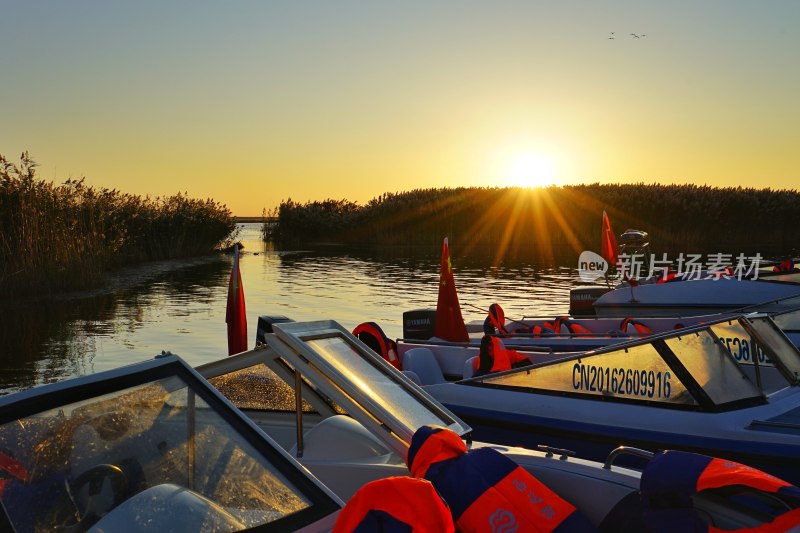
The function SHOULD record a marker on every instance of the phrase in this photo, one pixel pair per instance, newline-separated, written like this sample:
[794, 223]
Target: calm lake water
[180, 306]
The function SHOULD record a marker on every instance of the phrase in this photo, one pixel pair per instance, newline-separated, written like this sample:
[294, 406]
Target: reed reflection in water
[180, 305]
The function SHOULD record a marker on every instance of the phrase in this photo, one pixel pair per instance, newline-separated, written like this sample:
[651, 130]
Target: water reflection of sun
[531, 170]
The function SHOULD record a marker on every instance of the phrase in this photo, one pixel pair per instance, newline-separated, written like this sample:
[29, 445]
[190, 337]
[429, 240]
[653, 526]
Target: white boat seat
[469, 370]
[341, 438]
[413, 377]
[423, 363]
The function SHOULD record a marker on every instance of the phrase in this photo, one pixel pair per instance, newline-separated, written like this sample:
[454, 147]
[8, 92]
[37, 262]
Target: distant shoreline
[244, 220]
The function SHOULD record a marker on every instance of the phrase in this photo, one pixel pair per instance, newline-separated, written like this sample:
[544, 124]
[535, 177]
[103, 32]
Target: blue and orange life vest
[372, 335]
[545, 330]
[395, 505]
[495, 321]
[672, 478]
[640, 327]
[11, 469]
[787, 265]
[572, 326]
[495, 357]
[487, 491]
[668, 276]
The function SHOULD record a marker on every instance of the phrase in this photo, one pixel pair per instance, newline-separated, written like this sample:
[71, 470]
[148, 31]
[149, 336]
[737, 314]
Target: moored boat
[729, 388]
[147, 447]
[350, 417]
[154, 447]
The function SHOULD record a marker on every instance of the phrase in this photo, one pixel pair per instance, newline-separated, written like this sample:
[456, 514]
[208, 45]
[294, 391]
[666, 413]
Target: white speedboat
[357, 415]
[546, 338]
[687, 293]
[153, 447]
[695, 296]
[148, 447]
[348, 416]
[729, 388]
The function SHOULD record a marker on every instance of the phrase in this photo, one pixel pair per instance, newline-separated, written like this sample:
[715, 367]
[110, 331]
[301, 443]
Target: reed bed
[57, 237]
[679, 218]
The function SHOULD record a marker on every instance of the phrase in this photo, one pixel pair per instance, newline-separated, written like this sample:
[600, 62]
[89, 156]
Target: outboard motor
[635, 237]
[582, 299]
[419, 324]
[635, 242]
[265, 323]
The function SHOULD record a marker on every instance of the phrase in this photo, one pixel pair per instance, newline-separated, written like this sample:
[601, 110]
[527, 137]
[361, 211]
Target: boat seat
[341, 438]
[736, 498]
[413, 377]
[423, 363]
[626, 516]
[469, 369]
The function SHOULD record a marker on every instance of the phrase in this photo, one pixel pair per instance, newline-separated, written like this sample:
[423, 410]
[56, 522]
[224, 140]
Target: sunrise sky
[253, 102]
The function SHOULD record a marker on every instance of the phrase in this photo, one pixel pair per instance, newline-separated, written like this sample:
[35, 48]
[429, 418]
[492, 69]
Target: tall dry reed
[55, 237]
[684, 218]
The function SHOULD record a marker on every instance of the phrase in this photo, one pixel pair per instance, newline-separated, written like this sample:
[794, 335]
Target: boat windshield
[360, 382]
[788, 320]
[146, 454]
[718, 366]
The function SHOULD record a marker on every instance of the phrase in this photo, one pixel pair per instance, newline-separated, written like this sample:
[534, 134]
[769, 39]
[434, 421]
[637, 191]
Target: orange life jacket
[572, 326]
[641, 329]
[672, 479]
[495, 357]
[10, 469]
[372, 335]
[487, 491]
[497, 318]
[787, 265]
[395, 504]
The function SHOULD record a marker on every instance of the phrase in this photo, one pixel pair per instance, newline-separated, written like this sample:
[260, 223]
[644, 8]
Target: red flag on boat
[449, 322]
[235, 314]
[610, 248]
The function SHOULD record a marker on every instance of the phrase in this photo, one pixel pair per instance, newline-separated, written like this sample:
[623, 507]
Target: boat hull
[691, 298]
[592, 428]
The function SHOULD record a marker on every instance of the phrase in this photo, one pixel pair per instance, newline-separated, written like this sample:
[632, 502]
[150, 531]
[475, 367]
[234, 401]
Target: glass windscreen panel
[635, 373]
[789, 320]
[375, 383]
[741, 345]
[776, 343]
[257, 387]
[129, 456]
[711, 365]
[788, 277]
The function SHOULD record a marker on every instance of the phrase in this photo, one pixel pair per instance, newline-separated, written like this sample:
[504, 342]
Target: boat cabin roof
[722, 365]
[152, 432]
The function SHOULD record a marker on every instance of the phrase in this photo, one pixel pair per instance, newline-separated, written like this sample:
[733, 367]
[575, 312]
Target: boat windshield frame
[766, 336]
[789, 320]
[47, 398]
[363, 403]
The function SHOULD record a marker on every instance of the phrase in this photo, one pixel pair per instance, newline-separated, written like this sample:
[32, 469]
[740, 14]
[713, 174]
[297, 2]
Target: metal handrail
[626, 450]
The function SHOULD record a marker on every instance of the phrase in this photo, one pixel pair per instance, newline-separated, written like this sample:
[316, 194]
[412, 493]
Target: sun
[531, 170]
